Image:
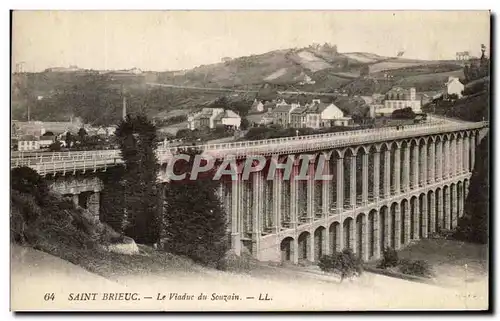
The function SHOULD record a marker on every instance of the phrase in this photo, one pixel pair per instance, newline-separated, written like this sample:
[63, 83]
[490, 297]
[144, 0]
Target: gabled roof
[219, 116]
[299, 110]
[228, 113]
[398, 90]
[452, 79]
[28, 138]
[283, 108]
[317, 108]
[256, 103]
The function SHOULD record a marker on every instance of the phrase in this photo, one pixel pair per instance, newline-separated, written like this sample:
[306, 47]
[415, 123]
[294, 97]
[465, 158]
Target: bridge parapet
[67, 162]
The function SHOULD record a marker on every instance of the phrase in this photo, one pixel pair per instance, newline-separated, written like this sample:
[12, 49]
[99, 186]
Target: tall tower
[413, 93]
[124, 110]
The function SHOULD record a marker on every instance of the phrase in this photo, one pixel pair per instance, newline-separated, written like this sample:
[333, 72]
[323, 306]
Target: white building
[211, 117]
[228, 118]
[399, 98]
[257, 106]
[454, 86]
[319, 115]
[28, 142]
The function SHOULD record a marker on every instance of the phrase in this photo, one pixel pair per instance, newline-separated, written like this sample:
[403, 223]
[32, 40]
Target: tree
[49, 133]
[55, 146]
[404, 113]
[195, 222]
[68, 139]
[27, 181]
[112, 209]
[82, 134]
[138, 142]
[244, 123]
[344, 263]
[473, 226]
[389, 258]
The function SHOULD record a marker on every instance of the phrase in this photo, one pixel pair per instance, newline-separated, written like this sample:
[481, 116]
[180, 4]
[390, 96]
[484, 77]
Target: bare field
[396, 64]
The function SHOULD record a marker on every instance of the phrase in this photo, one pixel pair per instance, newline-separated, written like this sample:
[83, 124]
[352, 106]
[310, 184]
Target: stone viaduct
[390, 186]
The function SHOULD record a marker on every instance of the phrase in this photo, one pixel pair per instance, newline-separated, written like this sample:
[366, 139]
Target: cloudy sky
[172, 40]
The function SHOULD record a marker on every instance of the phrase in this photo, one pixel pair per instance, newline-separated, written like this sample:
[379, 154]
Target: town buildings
[454, 87]
[211, 117]
[398, 98]
[315, 114]
[28, 142]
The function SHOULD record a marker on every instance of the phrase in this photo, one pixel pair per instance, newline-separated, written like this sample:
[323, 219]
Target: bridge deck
[64, 162]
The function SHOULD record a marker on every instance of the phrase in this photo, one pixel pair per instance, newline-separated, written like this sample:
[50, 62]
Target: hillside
[57, 96]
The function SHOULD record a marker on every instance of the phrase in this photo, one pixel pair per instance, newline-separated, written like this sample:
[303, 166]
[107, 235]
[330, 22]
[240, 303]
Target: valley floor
[34, 273]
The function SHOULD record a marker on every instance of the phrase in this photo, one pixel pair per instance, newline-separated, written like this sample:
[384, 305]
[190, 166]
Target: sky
[174, 40]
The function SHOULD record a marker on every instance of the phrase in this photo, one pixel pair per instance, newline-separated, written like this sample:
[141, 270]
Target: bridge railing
[256, 147]
[379, 133]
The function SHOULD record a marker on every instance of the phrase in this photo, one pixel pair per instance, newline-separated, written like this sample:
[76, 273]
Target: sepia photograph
[266, 161]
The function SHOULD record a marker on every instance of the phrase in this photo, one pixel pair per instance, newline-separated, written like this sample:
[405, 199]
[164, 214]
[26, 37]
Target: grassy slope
[448, 259]
[282, 68]
[76, 236]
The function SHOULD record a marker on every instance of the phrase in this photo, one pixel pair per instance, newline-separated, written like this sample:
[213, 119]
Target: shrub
[28, 181]
[405, 113]
[417, 267]
[236, 263]
[344, 263]
[55, 146]
[390, 258]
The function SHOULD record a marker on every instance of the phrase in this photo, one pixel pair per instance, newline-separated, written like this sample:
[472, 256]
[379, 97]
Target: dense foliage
[137, 140]
[48, 221]
[389, 258]
[416, 267]
[195, 222]
[404, 113]
[473, 226]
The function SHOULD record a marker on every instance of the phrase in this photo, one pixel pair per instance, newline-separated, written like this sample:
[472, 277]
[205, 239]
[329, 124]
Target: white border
[189, 4]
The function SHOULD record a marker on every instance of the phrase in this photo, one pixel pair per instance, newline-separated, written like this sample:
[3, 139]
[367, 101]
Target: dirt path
[35, 273]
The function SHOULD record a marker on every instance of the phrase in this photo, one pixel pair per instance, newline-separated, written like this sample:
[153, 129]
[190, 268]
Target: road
[35, 273]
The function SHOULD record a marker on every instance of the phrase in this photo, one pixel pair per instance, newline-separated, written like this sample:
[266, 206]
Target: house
[203, 118]
[328, 115]
[399, 98]
[313, 114]
[281, 114]
[228, 118]
[35, 128]
[28, 142]
[267, 118]
[306, 80]
[257, 107]
[110, 131]
[454, 86]
[211, 117]
[269, 106]
[298, 117]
